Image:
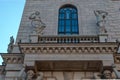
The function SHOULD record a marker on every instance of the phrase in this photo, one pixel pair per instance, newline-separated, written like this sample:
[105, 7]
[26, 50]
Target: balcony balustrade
[67, 39]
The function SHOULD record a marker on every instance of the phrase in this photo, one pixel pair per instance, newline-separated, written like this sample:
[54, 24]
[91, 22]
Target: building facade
[65, 40]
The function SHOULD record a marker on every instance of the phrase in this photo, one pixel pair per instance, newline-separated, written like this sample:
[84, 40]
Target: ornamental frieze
[67, 49]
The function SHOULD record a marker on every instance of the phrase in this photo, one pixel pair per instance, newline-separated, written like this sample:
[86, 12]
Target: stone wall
[49, 10]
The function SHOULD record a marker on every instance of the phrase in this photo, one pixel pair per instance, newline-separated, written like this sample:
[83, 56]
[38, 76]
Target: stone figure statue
[116, 71]
[40, 76]
[96, 76]
[10, 45]
[37, 23]
[101, 20]
[22, 73]
[107, 74]
[30, 75]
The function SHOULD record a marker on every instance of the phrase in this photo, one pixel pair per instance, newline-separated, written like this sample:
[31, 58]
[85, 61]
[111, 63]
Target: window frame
[63, 27]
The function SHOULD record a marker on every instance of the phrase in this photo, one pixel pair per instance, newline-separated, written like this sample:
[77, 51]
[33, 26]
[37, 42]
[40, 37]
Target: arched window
[68, 21]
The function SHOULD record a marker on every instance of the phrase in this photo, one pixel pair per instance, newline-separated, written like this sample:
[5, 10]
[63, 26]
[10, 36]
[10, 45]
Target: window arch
[68, 20]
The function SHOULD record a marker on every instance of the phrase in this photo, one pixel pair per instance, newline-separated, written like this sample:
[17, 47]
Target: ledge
[12, 58]
[33, 48]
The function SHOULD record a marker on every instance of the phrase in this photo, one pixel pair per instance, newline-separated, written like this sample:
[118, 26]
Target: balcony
[68, 48]
[82, 52]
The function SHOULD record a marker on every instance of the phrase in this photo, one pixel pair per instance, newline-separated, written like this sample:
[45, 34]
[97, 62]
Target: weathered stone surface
[73, 57]
[87, 20]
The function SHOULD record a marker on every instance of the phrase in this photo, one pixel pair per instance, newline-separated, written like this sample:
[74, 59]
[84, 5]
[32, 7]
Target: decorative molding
[13, 58]
[69, 48]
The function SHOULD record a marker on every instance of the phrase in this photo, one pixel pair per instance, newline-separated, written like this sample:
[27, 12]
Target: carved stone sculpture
[101, 20]
[37, 23]
[116, 71]
[22, 73]
[96, 76]
[107, 74]
[30, 75]
[40, 76]
[10, 45]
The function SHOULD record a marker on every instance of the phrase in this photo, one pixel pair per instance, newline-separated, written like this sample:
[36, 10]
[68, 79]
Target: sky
[10, 17]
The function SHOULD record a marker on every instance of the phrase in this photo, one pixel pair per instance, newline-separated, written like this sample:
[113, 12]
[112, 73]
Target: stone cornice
[69, 48]
[13, 58]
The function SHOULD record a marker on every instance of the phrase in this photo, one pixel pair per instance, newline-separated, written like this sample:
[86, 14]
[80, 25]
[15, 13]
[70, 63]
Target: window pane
[74, 22]
[68, 21]
[74, 29]
[74, 11]
[74, 16]
[68, 28]
[61, 23]
[62, 10]
[68, 14]
[61, 28]
[62, 16]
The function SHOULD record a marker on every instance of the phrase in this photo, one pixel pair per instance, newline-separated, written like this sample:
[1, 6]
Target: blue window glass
[68, 21]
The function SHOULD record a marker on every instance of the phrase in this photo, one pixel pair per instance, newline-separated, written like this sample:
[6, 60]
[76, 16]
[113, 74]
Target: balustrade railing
[67, 39]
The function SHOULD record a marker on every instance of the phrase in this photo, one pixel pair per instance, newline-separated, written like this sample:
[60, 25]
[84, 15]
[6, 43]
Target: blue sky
[10, 17]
